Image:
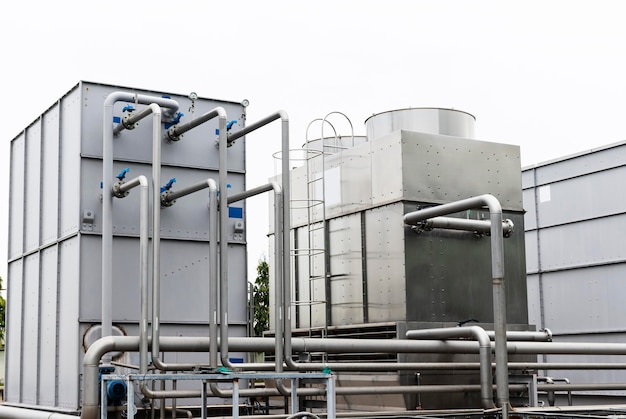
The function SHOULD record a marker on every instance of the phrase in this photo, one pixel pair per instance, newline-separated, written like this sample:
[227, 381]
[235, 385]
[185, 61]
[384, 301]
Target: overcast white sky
[549, 76]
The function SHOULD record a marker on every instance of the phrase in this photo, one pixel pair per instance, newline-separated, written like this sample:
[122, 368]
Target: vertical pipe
[223, 205]
[497, 273]
[144, 245]
[156, 232]
[213, 273]
[484, 351]
[107, 197]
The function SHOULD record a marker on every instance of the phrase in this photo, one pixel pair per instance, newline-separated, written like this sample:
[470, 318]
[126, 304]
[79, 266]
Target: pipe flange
[126, 122]
[165, 202]
[116, 189]
[171, 134]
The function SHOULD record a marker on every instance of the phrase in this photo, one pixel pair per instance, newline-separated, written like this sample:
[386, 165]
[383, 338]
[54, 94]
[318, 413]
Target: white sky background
[549, 76]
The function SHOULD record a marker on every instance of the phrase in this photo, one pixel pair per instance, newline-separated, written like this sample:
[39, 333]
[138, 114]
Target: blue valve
[175, 120]
[230, 124]
[122, 174]
[128, 108]
[168, 186]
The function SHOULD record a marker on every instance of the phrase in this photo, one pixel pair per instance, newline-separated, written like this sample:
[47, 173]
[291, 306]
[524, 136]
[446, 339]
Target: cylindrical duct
[427, 120]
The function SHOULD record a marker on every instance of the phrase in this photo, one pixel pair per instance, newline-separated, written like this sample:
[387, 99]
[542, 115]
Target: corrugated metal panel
[69, 164]
[585, 300]
[534, 301]
[70, 286]
[16, 203]
[50, 176]
[581, 164]
[585, 376]
[48, 327]
[581, 198]
[14, 331]
[32, 192]
[30, 334]
[583, 243]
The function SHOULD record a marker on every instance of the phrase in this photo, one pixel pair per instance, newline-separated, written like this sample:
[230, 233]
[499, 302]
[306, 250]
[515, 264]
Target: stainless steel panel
[530, 217]
[438, 169]
[69, 165]
[348, 183]
[449, 274]
[14, 331]
[48, 327]
[387, 171]
[346, 281]
[583, 243]
[426, 120]
[195, 149]
[532, 255]
[586, 300]
[50, 176]
[16, 201]
[30, 334]
[32, 193]
[69, 352]
[582, 198]
[534, 301]
[581, 164]
[386, 284]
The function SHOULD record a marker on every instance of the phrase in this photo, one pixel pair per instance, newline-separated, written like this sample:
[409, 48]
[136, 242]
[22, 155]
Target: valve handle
[122, 174]
[168, 186]
[128, 108]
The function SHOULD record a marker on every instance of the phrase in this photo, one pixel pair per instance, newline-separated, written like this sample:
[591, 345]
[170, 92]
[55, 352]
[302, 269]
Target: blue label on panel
[234, 212]
[117, 119]
[236, 360]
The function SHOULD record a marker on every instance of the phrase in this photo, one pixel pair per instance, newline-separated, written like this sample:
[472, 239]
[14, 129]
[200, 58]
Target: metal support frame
[221, 378]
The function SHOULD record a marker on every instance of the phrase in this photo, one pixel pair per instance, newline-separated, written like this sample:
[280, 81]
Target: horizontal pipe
[199, 344]
[133, 118]
[251, 192]
[484, 351]
[174, 195]
[174, 133]
[463, 224]
[10, 412]
[256, 125]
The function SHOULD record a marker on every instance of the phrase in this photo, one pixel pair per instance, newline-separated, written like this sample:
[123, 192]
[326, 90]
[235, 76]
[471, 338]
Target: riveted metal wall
[576, 261]
[54, 272]
[429, 277]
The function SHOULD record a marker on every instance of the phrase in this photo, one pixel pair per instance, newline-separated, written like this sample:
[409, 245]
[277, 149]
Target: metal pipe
[106, 344]
[10, 412]
[176, 131]
[133, 118]
[144, 245]
[463, 224]
[107, 197]
[174, 195]
[497, 269]
[484, 351]
[252, 192]
[544, 335]
[223, 171]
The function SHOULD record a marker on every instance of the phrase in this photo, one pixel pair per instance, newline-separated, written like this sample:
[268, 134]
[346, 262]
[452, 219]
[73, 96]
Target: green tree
[261, 297]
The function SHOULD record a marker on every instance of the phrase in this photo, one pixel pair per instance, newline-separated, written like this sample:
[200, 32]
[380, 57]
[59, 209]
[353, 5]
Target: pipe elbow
[492, 203]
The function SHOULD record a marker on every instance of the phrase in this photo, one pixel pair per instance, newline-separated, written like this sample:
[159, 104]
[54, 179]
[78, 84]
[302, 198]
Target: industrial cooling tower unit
[360, 271]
